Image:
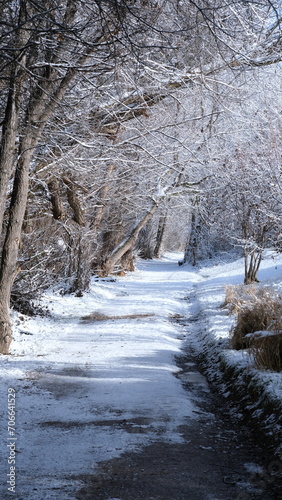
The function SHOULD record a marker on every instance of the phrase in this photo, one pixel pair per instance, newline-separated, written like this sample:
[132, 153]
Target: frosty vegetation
[134, 127]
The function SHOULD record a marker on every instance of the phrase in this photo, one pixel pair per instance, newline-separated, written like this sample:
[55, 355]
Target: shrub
[259, 312]
[267, 351]
[238, 297]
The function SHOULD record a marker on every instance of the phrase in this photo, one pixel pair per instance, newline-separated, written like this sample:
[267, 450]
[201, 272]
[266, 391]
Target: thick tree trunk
[9, 268]
[40, 109]
[8, 146]
[11, 118]
[5, 322]
[79, 251]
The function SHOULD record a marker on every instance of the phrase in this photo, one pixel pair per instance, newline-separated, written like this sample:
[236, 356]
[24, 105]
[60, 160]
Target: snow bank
[259, 393]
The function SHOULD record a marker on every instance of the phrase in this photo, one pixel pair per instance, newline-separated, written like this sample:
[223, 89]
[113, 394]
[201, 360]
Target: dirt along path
[112, 405]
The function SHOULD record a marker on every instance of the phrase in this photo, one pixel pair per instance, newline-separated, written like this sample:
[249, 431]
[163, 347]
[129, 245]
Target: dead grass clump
[232, 298]
[267, 351]
[259, 312]
[239, 296]
[250, 319]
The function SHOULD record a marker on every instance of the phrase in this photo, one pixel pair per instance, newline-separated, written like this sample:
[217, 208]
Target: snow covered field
[87, 390]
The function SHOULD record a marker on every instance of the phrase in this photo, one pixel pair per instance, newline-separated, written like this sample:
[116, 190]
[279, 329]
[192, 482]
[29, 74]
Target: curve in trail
[103, 409]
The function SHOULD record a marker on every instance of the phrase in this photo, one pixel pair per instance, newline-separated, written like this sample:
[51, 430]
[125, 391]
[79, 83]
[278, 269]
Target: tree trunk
[8, 146]
[79, 250]
[57, 206]
[74, 202]
[9, 268]
[160, 235]
[95, 226]
[11, 118]
[192, 244]
[5, 322]
[252, 263]
[38, 112]
[128, 243]
[252, 252]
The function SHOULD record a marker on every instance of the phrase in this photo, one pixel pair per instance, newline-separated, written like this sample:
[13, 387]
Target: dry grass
[267, 351]
[250, 319]
[240, 296]
[258, 309]
[97, 316]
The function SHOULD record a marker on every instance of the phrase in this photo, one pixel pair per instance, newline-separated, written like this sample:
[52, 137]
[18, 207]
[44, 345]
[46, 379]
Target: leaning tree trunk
[129, 242]
[8, 151]
[41, 107]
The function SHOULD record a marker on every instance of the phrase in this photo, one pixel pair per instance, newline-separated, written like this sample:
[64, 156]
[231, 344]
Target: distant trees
[250, 199]
[242, 201]
[84, 159]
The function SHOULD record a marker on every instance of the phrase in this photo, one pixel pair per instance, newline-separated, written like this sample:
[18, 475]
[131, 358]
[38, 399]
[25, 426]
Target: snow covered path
[88, 390]
[104, 385]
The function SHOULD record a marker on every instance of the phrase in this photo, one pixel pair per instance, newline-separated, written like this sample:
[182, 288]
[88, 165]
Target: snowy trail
[87, 391]
[110, 401]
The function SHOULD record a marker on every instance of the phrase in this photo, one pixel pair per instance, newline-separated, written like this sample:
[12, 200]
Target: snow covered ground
[73, 377]
[87, 390]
